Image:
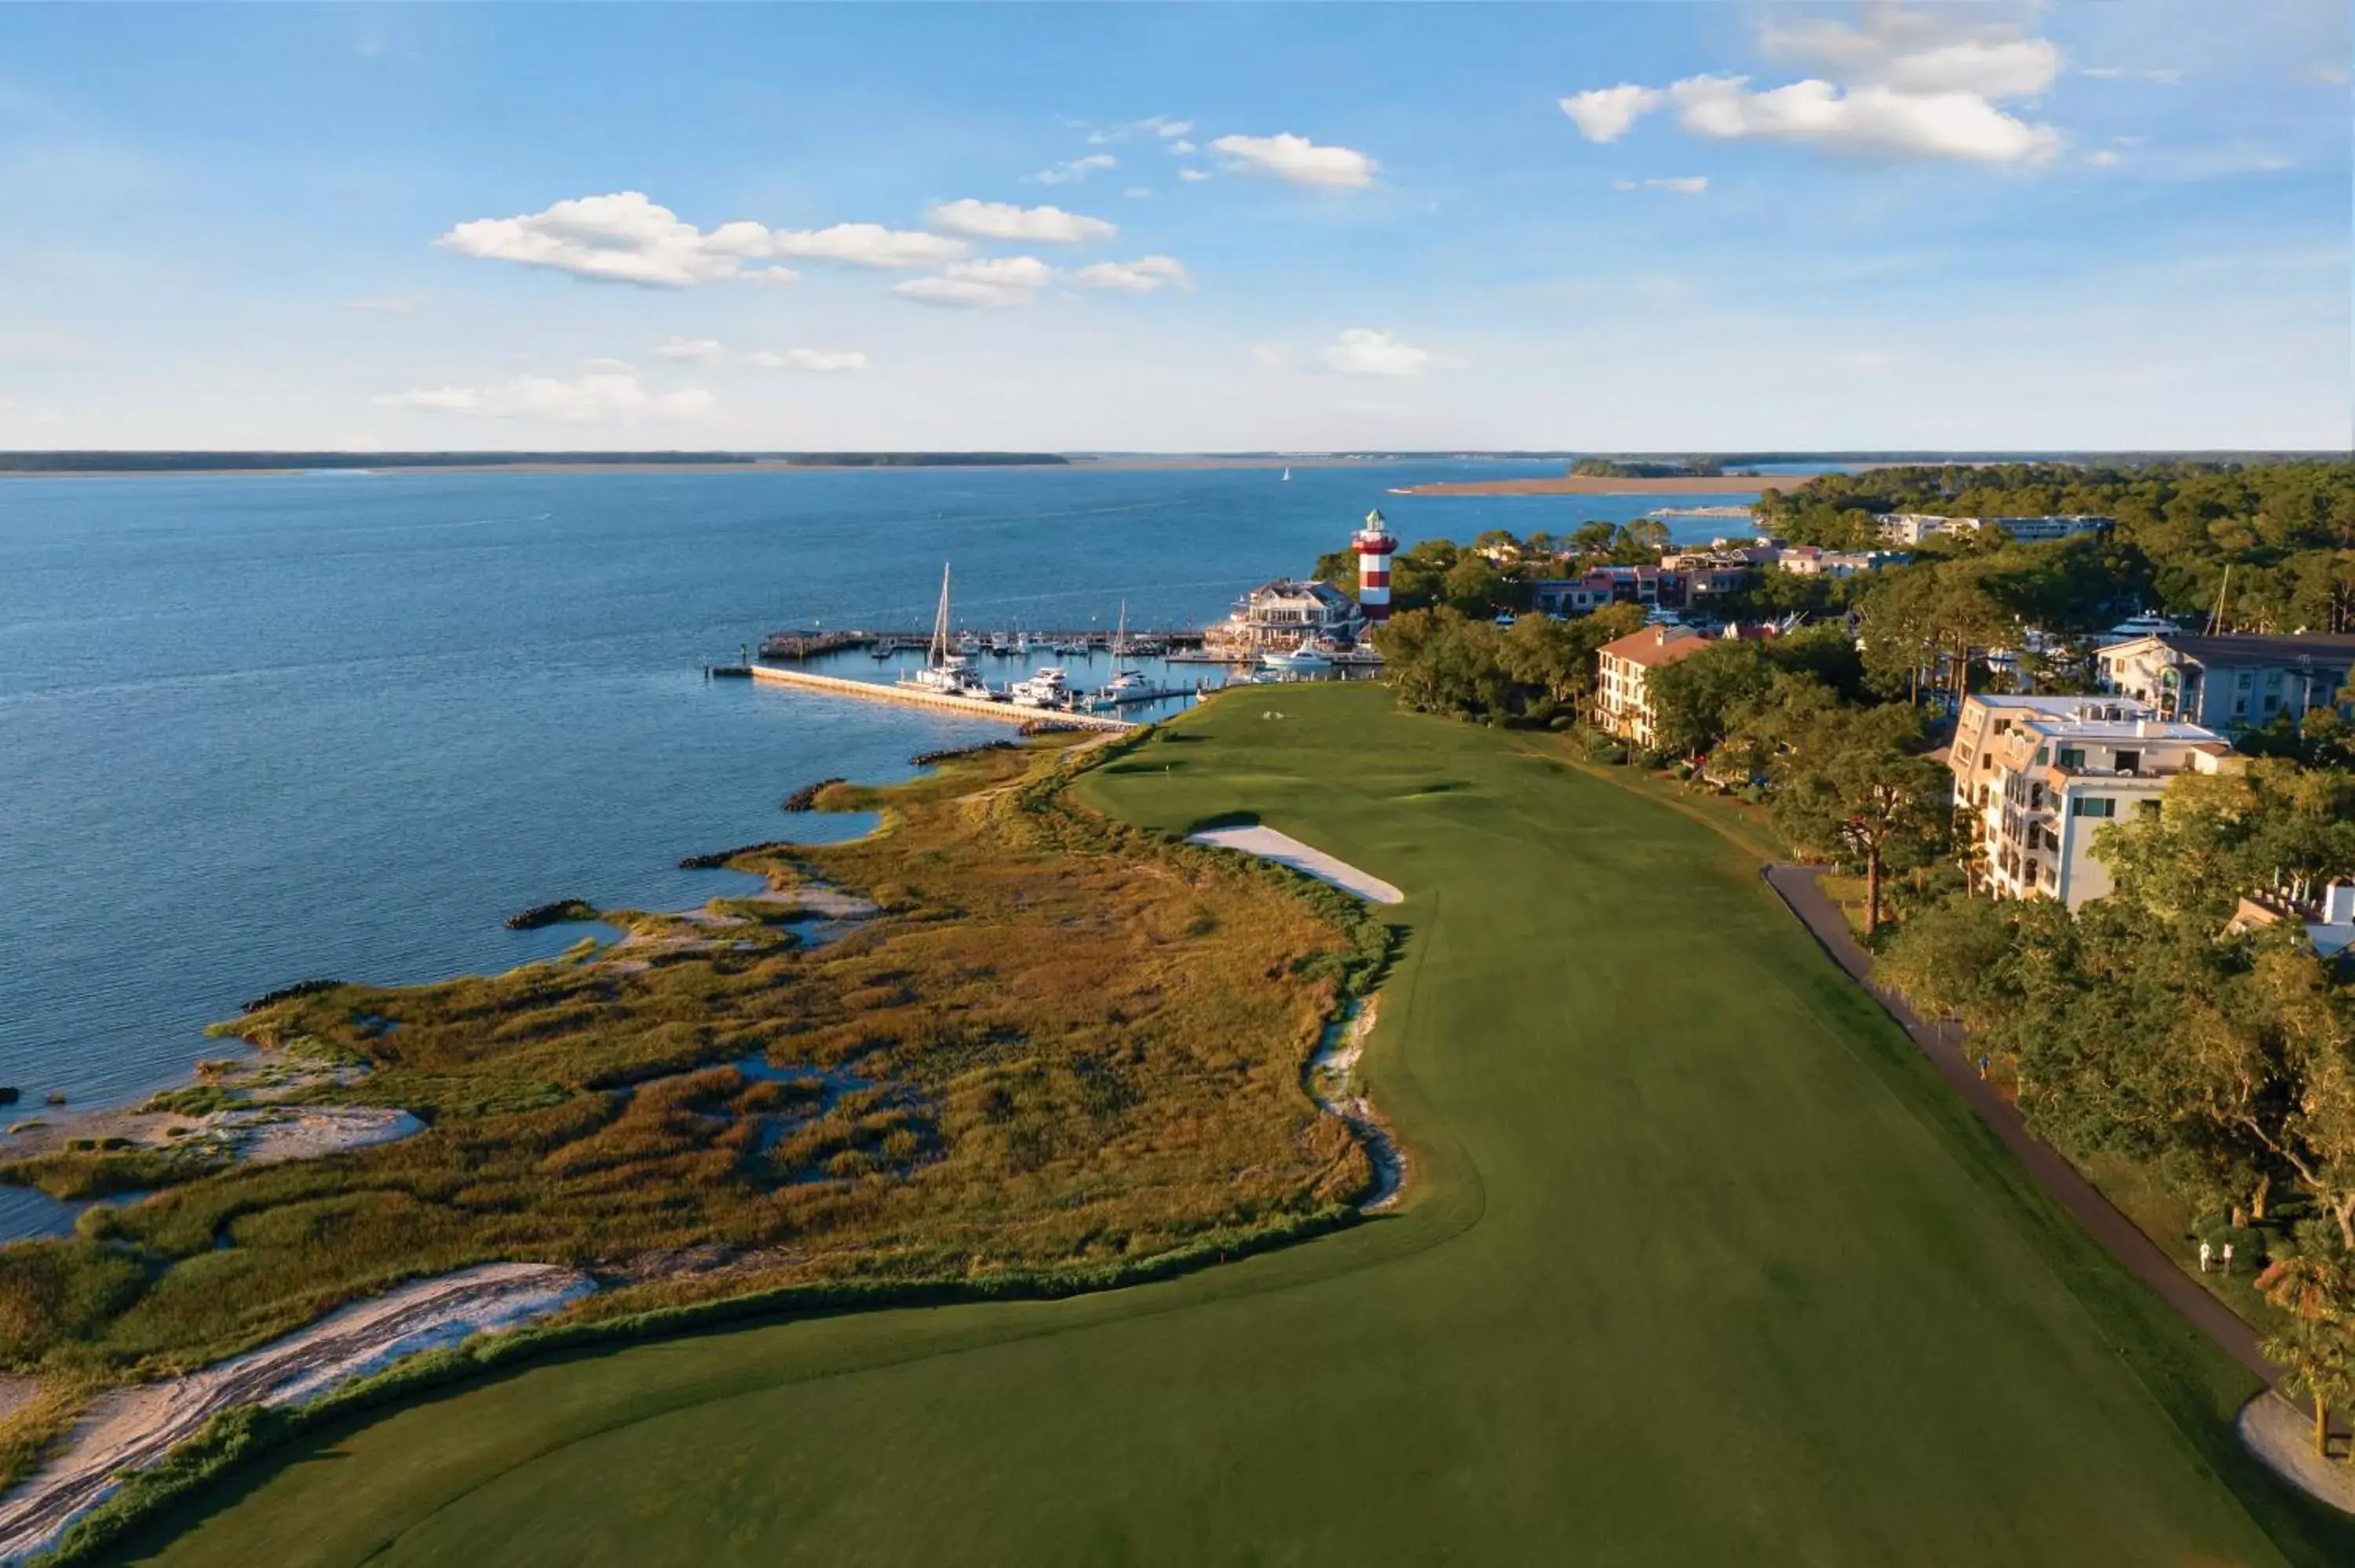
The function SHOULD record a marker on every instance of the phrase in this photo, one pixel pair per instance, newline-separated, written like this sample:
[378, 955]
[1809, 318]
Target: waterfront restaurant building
[1280, 615]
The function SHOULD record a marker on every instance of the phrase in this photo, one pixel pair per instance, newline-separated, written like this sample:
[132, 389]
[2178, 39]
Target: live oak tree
[1853, 786]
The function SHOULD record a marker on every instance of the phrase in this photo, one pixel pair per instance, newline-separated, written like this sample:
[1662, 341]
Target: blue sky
[1176, 228]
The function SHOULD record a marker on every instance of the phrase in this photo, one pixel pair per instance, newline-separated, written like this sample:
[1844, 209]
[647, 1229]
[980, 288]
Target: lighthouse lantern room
[1374, 545]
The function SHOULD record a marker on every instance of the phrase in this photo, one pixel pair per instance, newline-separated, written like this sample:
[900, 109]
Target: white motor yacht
[1049, 687]
[1304, 657]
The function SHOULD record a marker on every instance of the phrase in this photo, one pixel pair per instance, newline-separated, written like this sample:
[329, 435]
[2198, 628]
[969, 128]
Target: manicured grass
[1700, 1264]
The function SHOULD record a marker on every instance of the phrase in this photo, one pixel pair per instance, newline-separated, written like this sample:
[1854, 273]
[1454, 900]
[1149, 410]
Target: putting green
[1698, 1266]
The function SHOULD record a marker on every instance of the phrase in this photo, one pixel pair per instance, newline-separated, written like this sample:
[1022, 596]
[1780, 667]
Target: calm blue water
[257, 729]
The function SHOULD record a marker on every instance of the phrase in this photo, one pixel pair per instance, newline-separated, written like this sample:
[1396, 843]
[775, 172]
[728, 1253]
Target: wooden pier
[939, 701]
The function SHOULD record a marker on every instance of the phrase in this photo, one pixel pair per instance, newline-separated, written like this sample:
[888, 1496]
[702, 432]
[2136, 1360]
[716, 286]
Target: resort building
[1283, 614]
[1622, 698]
[2037, 776]
[2326, 915]
[1599, 585]
[1814, 561]
[2229, 684]
[1677, 582]
[1912, 527]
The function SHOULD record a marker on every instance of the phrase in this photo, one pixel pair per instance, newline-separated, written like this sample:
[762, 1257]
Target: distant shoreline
[1567, 484]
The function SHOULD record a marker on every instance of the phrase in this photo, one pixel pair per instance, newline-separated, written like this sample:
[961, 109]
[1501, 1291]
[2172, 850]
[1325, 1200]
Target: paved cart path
[1946, 1046]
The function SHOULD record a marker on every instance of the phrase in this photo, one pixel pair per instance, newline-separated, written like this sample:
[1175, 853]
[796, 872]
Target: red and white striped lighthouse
[1374, 545]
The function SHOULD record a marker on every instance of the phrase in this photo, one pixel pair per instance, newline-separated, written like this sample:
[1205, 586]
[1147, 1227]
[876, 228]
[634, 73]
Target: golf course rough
[1699, 1267]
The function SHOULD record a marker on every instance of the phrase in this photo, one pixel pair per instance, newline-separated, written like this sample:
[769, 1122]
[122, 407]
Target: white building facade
[2229, 684]
[2037, 777]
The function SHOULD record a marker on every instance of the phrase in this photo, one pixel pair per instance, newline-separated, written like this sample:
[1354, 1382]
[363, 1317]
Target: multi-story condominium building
[2228, 684]
[1912, 527]
[2037, 776]
[1622, 698]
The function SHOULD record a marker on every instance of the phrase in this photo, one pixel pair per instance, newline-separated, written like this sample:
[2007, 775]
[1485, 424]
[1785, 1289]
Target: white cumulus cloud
[623, 238]
[1920, 52]
[1604, 113]
[1681, 184]
[1903, 83]
[1071, 170]
[999, 282]
[629, 239]
[1191, 175]
[866, 245]
[819, 361]
[703, 348]
[1362, 351]
[1298, 160]
[598, 396]
[1003, 220]
[1877, 120]
[1142, 275]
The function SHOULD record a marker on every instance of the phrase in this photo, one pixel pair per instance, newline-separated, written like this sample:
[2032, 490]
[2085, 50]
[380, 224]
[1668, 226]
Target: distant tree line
[2286, 531]
[1626, 468]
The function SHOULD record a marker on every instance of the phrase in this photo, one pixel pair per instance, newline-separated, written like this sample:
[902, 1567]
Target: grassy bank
[1057, 1045]
[1700, 1264]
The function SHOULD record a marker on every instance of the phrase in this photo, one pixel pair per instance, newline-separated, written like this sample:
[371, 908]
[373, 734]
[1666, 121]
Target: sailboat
[1124, 679]
[1287, 475]
[945, 670]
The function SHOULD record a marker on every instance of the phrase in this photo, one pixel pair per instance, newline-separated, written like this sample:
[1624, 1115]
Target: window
[2093, 806]
[2073, 757]
[2147, 810]
[2129, 761]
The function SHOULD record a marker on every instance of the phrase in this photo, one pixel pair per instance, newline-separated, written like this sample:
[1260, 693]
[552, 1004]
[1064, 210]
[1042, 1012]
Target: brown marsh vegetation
[1059, 1042]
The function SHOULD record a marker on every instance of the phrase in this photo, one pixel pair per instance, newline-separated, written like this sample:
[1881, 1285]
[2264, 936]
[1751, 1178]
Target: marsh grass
[1063, 1044]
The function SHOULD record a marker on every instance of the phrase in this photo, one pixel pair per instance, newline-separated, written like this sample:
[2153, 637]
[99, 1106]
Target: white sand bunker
[1283, 848]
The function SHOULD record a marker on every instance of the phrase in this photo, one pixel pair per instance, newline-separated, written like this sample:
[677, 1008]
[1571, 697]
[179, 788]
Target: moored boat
[1047, 687]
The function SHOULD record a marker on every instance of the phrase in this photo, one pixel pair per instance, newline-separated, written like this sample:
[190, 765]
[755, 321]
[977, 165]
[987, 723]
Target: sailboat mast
[940, 649]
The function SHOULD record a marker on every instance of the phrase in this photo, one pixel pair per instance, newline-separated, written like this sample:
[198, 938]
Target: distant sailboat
[1287, 475]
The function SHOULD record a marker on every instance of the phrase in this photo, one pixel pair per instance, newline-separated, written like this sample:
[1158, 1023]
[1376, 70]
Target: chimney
[1660, 636]
[2338, 903]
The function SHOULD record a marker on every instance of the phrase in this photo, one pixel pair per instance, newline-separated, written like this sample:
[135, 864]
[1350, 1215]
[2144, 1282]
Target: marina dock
[940, 702]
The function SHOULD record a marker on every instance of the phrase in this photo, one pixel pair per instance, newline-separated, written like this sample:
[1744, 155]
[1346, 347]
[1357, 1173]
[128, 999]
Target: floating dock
[939, 701]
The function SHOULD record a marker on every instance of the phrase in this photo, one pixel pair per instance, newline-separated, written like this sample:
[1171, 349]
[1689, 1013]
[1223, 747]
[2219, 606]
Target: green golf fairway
[1700, 1265]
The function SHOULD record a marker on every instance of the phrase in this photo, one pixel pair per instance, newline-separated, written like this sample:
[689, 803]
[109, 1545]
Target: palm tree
[2318, 1351]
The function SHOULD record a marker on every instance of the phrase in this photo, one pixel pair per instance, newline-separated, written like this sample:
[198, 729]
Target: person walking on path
[2203, 1257]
